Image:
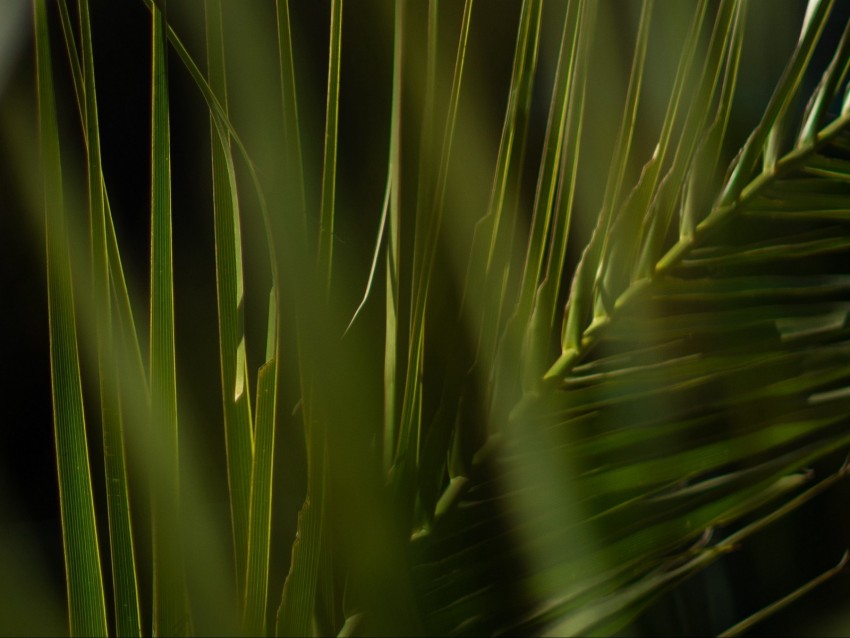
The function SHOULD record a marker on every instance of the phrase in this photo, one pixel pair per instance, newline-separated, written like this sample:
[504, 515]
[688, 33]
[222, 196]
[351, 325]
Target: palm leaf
[551, 468]
[232, 346]
[430, 200]
[327, 209]
[262, 471]
[86, 604]
[171, 612]
[294, 616]
[688, 401]
[295, 165]
[127, 621]
[744, 625]
[103, 243]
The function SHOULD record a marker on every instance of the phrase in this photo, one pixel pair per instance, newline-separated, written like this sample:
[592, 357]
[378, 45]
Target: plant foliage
[563, 406]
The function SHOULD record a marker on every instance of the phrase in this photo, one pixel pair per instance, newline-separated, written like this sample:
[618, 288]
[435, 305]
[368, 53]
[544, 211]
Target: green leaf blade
[328, 201]
[295, 614]
[259, 540]
[86, 602]
[262, 474]
[170, 604]
[126, 595]
[230, 296]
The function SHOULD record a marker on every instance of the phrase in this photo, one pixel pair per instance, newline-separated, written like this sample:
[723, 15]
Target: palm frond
[573, 400]
[693, 396]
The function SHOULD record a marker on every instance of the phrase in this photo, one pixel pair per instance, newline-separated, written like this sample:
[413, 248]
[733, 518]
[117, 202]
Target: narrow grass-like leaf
[739, 628]
[86, 603]
[427, 149]
[262, 471]
[702, 172]
[620, 256]
[171, 614]
[123, 345]
[124, 316]
[765, 350]
[126, 596]
[376, 254]
[118, 282]
[592, 615]
[491, 269]
[557, 177]
[392, 276]
[613, 185]
[778, 132]
[104, 243]
[511, 145]
[563, 205]
[553, 147]
[389, 210]
[406, 433]
[428, 220]
[230, 294]
[295, 614]
[787, 87]
[328, 201]
[226, 134]
[622, 147]
[790, 369]
[634, 209]
[719, 213]
[74, 61]
[692, 386]
[832, 79]
[660, 215]
[292, 131]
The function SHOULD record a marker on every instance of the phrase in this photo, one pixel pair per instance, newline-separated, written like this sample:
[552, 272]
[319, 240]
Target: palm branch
[550, 438]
